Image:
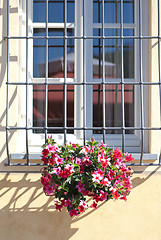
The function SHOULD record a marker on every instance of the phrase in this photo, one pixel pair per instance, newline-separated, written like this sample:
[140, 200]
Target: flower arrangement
[74, 172]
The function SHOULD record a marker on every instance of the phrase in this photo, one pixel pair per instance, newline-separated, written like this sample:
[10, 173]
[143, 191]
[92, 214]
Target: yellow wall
[26, 213]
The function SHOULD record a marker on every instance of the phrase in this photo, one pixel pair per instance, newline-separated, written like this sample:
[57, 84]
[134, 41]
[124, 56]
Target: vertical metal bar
[65, 71]
[46, 72]
[84, 73]
[99, 73]
[159, 62]
[103, 73]
[141, 81]
[7, 93]
[122, 78]
[27, 39]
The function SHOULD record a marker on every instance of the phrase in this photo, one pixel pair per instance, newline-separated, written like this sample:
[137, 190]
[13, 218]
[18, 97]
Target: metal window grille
[102, 37]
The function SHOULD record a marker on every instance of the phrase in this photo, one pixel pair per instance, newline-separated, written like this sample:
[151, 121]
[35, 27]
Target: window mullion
[78, 90]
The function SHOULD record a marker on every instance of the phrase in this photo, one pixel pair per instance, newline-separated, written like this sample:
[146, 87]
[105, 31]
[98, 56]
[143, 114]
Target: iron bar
[27, 50]
[84, 74]
[103, 75]
[87, 128]
[7, 93]
[159, 62]
[65, 70]
[87, 83]
[46, 72]
[40, 164]
[122, 78]
[100, 81]
[83, 37]
[141, 79]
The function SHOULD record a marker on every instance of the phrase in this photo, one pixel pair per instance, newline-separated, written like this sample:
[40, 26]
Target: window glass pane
[112, 48]
[38, 53]
[70, 11]
[38, 107]
[128, 54]
[39, 12]
[113, 107]
[56, 11]
[55, 107]
[112, 11]
[55, 54]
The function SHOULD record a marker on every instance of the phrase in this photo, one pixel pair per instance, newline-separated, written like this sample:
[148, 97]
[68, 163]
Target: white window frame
[132, 141]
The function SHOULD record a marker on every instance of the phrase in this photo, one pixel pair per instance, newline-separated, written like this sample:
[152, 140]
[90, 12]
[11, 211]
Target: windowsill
[16, 157]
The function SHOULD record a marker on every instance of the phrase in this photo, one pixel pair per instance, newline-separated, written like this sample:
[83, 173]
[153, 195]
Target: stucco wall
[26, 213]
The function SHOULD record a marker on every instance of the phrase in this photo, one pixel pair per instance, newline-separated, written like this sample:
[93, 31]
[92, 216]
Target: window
[86, 99]
[84, 73]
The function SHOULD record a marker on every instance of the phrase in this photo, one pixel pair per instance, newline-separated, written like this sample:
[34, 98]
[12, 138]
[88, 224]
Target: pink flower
[58, 160]
[65, 202]
[73, 145]
[104, 162]
[56, 171]
[124, 198]
[45, 152]
[105, 182]
[73, 212]
[69, 168]
[44, 181]
[118, 162]
[97, 177]
[78, 161]
[129, 157]
[94, 205]
[96, 198]
[103, 145]
[86, 161]
[116, 153]
[115, 194]
[82, 206]
[51, 161]
[103, 195]
[44, 160]
[110, 175]
[58, 207]
[49, 190]
[52, 148]
[80, 187]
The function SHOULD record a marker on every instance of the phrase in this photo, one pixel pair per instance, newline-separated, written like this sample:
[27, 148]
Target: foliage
[74, 172]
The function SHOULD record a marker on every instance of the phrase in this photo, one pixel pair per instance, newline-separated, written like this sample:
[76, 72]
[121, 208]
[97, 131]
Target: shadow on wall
[26, 213]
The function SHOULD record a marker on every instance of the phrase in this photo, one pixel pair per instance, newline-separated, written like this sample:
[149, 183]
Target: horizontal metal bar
[84, 128]
[82, 37]
[25, 164]
[84, 83]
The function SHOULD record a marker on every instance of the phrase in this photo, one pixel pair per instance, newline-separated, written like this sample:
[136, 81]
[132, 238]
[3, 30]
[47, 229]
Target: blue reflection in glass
[55, 11]
[112, 12]
[55, 48]
[39, 13]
